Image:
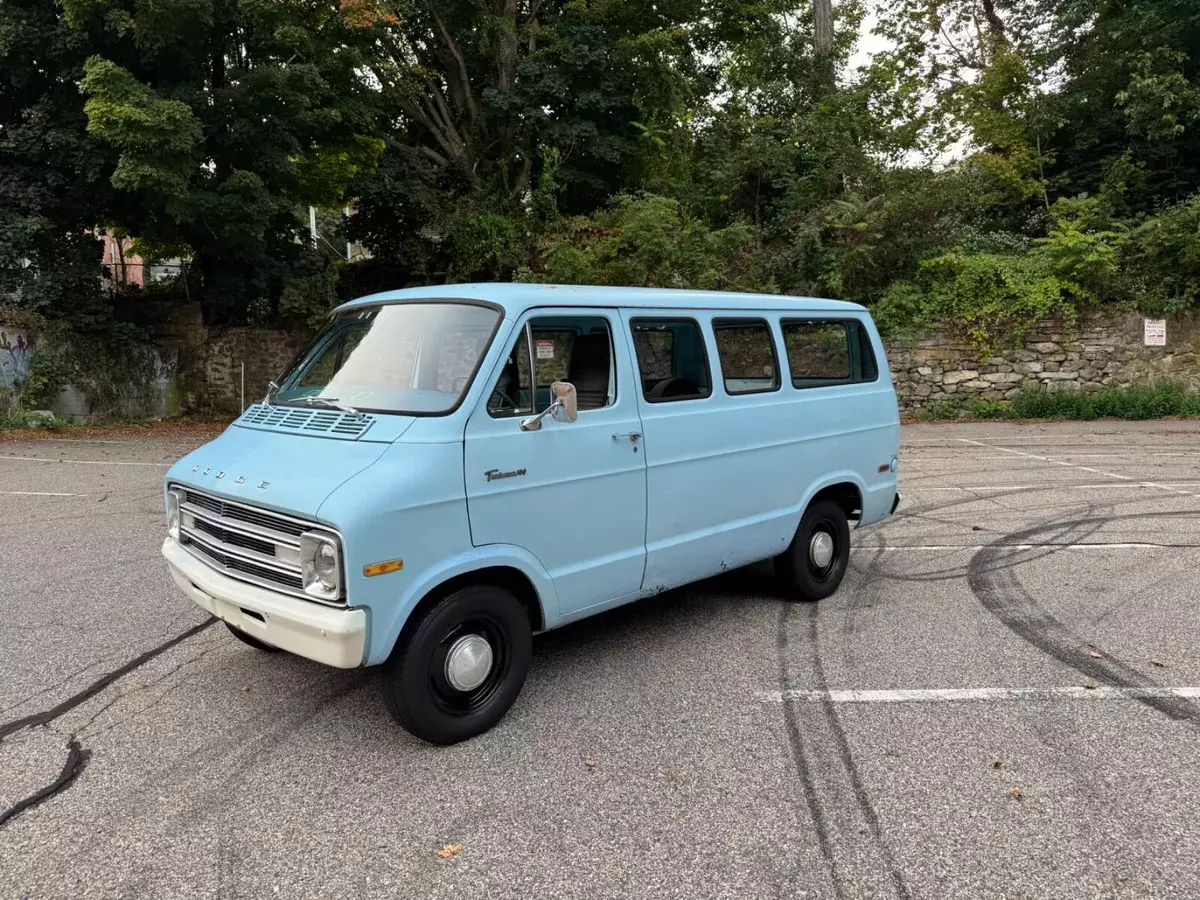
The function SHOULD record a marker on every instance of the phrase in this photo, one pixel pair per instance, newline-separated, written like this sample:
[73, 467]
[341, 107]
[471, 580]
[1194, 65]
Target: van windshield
[410, 358]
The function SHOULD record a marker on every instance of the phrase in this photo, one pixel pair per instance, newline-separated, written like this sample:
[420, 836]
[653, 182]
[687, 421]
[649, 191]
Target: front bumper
[335, 637]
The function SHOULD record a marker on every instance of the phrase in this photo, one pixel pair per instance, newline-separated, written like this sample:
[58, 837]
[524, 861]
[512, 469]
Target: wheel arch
[846, 494]
[508, 567]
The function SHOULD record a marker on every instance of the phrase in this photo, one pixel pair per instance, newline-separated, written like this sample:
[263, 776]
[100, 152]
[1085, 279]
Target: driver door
[573, 495]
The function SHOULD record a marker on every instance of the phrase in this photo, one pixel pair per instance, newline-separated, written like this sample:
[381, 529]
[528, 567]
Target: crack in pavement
[77, 754]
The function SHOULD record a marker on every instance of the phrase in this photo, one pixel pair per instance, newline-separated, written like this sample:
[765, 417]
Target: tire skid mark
[791, 723]
[77, 760]
[1001, 593]
[812, 794]
[49, 715]
[77, 755]
[846, 756]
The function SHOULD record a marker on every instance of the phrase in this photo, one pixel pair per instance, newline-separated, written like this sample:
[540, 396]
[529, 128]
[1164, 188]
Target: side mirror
[563, 408]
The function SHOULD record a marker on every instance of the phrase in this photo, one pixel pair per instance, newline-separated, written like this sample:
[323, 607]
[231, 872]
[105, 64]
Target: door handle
[633, 436]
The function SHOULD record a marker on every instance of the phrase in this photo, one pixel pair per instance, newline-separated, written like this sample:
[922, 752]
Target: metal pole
[243, 386]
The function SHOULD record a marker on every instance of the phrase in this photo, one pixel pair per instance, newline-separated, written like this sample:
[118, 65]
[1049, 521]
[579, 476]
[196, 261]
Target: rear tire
[458, 670]
[250, 640]
[812, 566]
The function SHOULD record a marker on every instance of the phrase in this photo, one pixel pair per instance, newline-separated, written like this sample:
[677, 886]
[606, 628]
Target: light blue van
[446, 471]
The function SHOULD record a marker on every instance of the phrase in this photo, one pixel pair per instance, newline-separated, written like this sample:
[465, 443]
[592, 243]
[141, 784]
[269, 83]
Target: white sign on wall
[1155, 334]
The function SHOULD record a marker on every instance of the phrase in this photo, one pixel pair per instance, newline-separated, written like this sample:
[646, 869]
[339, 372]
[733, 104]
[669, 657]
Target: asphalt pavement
[1001, 701]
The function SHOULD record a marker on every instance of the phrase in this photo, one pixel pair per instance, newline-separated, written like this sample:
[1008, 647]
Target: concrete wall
[192, 369]
[1105, 348]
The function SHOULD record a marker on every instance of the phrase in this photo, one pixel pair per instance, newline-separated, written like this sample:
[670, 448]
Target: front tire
[456, 673]
[250, 640]
[812, 566]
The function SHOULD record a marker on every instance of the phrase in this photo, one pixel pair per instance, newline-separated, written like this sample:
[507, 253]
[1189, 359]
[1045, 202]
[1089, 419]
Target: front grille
[235, 537]
[253, 545]
[251, 516]
[233, 564]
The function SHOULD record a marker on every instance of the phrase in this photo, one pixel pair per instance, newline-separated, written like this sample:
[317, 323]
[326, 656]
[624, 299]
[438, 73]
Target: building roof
[516, 298]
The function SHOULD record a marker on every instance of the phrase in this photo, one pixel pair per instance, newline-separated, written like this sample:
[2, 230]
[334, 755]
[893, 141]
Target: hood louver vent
[316, 422]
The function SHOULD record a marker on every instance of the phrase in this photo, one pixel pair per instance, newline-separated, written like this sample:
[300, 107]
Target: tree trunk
[822, 26]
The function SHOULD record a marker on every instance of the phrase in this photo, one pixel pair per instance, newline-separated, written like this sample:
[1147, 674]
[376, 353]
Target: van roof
[516, 298]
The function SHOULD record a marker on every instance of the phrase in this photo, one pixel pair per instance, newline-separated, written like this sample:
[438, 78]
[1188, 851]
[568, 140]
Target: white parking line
[1059, 462]
[1123, 545]
[976, 695]
[1056, 456]
[85, 462]
[38, 494]
[1048, 486]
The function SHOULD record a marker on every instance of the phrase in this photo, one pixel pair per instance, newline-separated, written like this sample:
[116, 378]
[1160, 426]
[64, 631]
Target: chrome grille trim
[232, 537]
[249, 577]
[251, 515]
[239, 526]
[232, 551]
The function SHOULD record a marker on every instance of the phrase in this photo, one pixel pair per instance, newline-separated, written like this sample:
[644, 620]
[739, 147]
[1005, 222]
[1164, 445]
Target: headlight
[174, 498]
[320, 565]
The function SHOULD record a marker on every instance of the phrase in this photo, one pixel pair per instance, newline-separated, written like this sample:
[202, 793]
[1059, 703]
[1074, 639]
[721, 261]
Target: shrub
[1155, 402]
[26, 419]
[993, 299]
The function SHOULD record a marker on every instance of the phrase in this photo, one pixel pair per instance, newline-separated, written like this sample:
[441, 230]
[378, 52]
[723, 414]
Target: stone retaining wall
[1104, 348]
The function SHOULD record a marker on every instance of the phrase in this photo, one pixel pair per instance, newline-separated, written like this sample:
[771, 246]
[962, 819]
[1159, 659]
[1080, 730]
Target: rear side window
[672, 362]
[747, 355]
[828, 351]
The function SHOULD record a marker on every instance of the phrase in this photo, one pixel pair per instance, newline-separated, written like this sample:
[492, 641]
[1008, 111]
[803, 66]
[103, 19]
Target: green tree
[229, 118]
[54, 186]
[500, 114]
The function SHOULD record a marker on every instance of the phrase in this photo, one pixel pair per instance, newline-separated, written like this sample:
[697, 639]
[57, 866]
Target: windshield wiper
[332, 402]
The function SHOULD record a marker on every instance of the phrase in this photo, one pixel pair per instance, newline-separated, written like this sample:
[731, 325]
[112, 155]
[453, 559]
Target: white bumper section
[335, 637]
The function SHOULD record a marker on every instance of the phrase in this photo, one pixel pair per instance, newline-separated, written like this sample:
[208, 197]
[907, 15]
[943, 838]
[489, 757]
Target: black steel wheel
[812, 566]
[455, 672]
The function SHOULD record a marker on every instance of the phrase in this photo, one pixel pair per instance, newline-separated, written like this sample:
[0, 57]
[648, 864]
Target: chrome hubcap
[468, 662]
[820, 549]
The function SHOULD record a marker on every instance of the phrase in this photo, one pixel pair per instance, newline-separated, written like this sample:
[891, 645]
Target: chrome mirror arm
[534, 423]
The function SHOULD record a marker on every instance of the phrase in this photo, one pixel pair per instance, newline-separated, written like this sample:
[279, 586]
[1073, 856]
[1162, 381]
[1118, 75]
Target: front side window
[672, 362]
[565, 348]
[828, 352]
[411, 358]
[747, 355]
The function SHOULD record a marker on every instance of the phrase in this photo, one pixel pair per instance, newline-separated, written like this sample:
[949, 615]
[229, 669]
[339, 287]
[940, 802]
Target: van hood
[291, 473]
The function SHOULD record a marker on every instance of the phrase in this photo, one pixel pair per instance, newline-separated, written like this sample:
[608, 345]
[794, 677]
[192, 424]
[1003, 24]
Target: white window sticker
[1155, 334]
[545, 349]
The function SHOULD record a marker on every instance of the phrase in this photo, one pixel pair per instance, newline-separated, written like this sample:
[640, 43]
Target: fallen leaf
[449, 851]
[1095, 654]
[590, 763]
[1015, 792]
[997, 763]
[1159, 663]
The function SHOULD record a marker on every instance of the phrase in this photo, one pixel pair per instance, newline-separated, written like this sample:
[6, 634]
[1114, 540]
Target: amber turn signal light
[382, 568]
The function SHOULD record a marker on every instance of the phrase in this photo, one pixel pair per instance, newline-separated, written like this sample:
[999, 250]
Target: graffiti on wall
[16, 352]
[165, 363]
